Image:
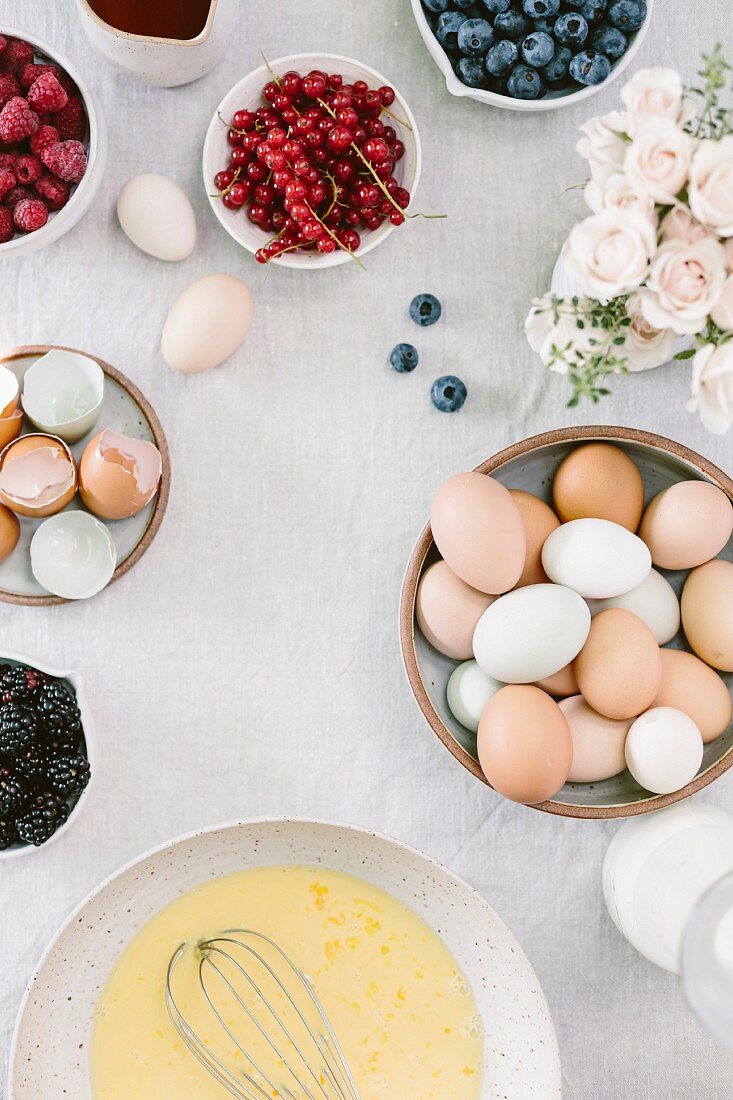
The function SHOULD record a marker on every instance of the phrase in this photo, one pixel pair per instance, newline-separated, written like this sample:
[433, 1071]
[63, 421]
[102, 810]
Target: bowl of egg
[566, 621]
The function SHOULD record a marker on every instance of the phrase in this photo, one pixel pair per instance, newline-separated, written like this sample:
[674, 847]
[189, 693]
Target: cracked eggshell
[73, 555]
[9, 391]
[156, 215]
[10, 427]
[9, 532]
[63, 393]
[38, 476]
[118, 475]
[206, 324]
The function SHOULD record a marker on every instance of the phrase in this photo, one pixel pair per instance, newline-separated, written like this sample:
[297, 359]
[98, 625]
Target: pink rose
[652, 93]
[711, 185]
[658, 160]
[722, 311]
[686, 281]
[602, 144]
[729, 253]
[645, 347]
[608, 254]
[679, 225]
[712, 387]
[617, 191]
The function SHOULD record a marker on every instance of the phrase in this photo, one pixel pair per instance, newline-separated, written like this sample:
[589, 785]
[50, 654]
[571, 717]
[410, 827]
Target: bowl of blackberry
[531, 55]
[46, 754]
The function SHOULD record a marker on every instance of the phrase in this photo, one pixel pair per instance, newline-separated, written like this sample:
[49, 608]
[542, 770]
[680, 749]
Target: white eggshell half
[654, 601]
[73, 555]
[63, 393]
[531, 633]
[9, 387]
[157, 217]
[206, 323]
[663, 750]
[469, 690]
[596, 558]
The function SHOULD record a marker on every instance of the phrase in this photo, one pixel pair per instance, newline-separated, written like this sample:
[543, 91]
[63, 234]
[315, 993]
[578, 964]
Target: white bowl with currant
[312, 160]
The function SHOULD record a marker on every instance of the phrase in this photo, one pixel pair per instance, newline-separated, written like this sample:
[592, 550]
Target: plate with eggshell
[566, 621]
[84, 475]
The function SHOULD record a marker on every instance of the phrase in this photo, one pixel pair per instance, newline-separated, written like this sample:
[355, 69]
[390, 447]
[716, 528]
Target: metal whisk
[271, 1036]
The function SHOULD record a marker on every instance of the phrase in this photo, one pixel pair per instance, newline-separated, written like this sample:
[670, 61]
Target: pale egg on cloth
[38, 476]
[156, 215]
[206, 323]
[118, 475]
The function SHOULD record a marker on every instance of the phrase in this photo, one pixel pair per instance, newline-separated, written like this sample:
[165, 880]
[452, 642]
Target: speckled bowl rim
[161, 497]
[424, 544]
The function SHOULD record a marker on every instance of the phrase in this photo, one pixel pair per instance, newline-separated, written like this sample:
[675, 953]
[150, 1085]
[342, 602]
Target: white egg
[63, 393]
[73, 555]
[207, 323]
[663, 750]
[157, 217]
[596, 558]
[531, 633]
[469, 690]
[654, 601]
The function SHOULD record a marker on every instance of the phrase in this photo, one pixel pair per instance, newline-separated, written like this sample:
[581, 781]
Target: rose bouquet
[651, 268]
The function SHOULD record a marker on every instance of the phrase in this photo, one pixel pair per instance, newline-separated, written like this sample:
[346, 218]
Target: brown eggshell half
[693, 687]
[22, 449]
[118, 475]
[687, 524]
[539, 521]
[524, 744]
[599, 481]
[707, 613]
[10, 427]
[619, 669]
[9, 532]
[447, 610]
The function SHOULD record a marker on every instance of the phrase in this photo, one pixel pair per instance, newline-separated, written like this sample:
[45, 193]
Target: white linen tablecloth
[249, 664]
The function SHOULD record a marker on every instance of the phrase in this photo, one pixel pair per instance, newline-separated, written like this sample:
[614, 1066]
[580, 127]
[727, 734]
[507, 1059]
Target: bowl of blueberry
[531, 55]
[46, 754]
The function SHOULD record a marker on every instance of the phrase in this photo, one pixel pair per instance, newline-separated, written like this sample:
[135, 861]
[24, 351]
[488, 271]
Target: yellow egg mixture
[398, 1003]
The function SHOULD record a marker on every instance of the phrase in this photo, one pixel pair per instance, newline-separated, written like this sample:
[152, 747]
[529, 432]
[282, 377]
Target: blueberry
[436, 6]
[592, 10]
[448, 393]
[511, 24]
[546, 25]
[463, 5]
[524, 83]
[627, 15]
[556, 73]
[590, 67]
[501, 57]
[537, 49]
[425, 309]
[498, 7]
[471, 72]
[449, 25]
[404, 358]
[475, 37]
[571, 29]
[539, 9]
[611, 41]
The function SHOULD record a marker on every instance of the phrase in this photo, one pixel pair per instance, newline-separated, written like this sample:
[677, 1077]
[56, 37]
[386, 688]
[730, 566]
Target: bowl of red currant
[311, 161]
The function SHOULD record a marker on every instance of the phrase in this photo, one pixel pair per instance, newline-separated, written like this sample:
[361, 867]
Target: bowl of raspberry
[531, 55]
[47, 753]
[53, 144]
[312, 161]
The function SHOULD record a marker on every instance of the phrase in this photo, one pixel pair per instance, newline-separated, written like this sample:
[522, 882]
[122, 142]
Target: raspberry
[7, 225]
[54, 192]
[7, 160]
[28, 169]
[7, 182]
[3, 42]
[30, 74]
[66, 159]
[16, 195]
[47, 95]
[30, 215]
[17, 120]
[71, 120]
[8, 87]
[44, 135]
[16, 56]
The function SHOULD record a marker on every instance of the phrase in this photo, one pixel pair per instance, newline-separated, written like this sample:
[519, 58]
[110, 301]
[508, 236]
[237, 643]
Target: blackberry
[45, 814]
[31, 763]
[68, 774]
[59, 716]
[18, 728]
[8, 833]
[14, 792]
[18, 682]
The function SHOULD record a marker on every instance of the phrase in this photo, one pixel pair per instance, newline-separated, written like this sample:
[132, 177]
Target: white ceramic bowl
[63, 220]
[521, 1055]
[90, 739]
[564, 98]
[247, 93]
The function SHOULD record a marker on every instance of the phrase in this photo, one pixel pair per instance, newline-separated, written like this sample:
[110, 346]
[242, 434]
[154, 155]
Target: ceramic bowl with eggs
[96, 145]
[247, 93]
[602, 669]
[518, 1046]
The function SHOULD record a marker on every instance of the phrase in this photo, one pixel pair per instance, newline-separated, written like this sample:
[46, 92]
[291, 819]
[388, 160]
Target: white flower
[686, 281]
[678, 224]
[608, 254]
[729, 253]
[658, 160]
[712, 387]
[652, 93]
[711, 185]
[618, 192]
[645, 347]
[602, 146]
[722, 311]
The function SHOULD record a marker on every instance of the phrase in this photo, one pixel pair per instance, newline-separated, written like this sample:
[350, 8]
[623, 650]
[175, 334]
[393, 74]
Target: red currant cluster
[314, 164]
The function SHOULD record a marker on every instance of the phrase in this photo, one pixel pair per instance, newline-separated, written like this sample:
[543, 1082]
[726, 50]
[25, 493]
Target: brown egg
[118, 475]
[560, 683]
[687, 524]
[707, 613]
[37, 476]
[478, 530]
[524, 744]
[447, 610]
[598, 742]
[599, 481]
[619, 669]
[689, 685]
[9, 532]
[538, 520]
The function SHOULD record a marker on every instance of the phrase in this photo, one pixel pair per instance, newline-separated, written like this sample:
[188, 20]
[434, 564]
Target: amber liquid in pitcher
[182, 19]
